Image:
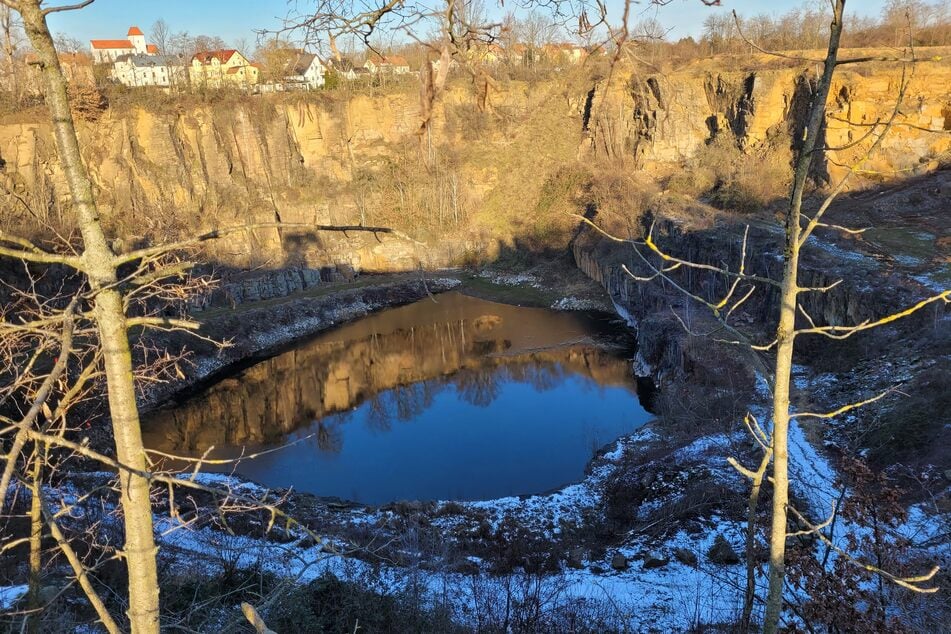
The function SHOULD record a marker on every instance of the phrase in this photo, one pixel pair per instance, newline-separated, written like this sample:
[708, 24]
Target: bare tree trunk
[783, 371]
[36, 541]
[786, 331]
[9, 50]
[750, 596]
[98, 264]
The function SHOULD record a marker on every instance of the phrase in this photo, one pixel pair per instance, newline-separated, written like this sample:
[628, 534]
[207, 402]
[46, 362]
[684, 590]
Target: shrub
[618, 197]
[734, 179]
[467, 120]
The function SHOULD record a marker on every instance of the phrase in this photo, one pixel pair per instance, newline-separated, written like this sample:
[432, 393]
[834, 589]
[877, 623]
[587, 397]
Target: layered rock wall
[163, 173]
[664, 119]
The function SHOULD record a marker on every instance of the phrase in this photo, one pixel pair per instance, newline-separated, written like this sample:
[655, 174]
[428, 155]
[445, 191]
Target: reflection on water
[454, 399]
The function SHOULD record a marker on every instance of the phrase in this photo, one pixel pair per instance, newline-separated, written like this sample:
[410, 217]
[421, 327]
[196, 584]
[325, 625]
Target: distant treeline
[900, 23]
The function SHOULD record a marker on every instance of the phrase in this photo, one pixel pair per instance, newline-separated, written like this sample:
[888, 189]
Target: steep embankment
[899, 259]
[332, 159]
[480, 179]
[663, 119]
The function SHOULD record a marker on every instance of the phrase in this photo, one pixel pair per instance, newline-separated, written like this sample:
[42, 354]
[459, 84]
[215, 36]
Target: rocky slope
[664, 118]
[900, 261]
[476, 182]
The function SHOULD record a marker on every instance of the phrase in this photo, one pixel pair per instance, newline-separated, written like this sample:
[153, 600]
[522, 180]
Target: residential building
[149, 70]
[491, 54]
[305, 70]
[387, 65]
[570, 53]
[108, 51]
[399, 64]
[220, 68]
[347, 70]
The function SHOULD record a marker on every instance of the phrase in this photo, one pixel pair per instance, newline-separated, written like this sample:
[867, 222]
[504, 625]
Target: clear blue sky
[234, 19]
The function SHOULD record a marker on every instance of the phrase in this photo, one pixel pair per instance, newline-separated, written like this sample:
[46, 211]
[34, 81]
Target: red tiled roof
[111, 43]
[223, 55]
[151, 48]
[134, 30]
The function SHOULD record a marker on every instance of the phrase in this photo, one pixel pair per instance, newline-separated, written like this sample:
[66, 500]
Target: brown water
[457, 398]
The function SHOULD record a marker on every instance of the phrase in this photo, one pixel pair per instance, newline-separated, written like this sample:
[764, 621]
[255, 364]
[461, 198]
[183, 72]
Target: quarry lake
[451, 398]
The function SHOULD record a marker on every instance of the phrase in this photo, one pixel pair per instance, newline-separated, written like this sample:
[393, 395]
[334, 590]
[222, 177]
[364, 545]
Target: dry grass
[731, 178]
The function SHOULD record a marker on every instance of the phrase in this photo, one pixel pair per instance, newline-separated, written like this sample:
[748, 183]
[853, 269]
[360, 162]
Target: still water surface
[457, 398]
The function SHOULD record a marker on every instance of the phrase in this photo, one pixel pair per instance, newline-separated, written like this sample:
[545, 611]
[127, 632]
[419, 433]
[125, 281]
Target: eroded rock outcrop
[667, 118]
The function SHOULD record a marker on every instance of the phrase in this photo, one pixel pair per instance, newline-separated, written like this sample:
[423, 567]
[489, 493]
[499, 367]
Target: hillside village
[135, 63]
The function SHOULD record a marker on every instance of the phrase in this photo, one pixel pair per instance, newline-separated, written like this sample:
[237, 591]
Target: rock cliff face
[664, 119]
[165, 175]
[259, 160]
[870, 283]
[162, 173]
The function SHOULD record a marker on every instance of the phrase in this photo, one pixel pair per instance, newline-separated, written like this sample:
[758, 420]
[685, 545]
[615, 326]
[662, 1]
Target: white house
[390, 64]
[306, 71]
[105, 51]
[149, 70]
[348, 70]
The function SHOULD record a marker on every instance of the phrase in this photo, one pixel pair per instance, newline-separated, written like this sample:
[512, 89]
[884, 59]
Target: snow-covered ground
[671, 597]
[814, 478]
[639, 596]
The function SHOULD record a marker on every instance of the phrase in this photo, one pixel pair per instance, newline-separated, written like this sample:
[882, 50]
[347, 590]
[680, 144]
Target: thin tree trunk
[82, 577]
[786, 331]
[36, 541]
[750, 595]
[777, 540]
[139, 550]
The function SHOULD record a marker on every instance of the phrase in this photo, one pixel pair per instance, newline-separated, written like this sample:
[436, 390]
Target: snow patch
[510, 279]
[719, 443]
[625, 314]
[641, 367]
[11, 594]
[576, 303]
[615, 454]
[931, 281]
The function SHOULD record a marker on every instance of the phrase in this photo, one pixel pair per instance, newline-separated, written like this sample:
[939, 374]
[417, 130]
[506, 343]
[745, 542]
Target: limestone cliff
[321, 159]
[663, 119]
[478, 178]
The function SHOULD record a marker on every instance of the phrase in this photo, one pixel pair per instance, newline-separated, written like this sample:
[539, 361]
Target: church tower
[137, 38]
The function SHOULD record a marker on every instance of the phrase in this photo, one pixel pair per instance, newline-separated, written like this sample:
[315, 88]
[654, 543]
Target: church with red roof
[107, 51]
